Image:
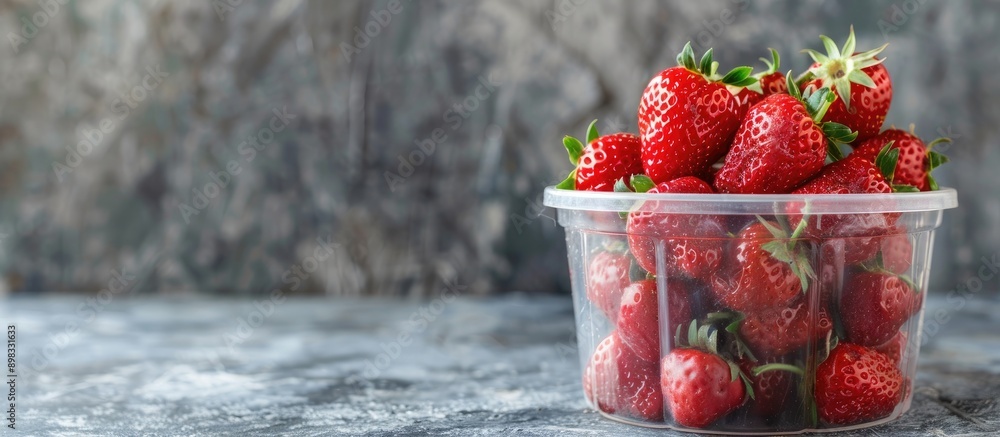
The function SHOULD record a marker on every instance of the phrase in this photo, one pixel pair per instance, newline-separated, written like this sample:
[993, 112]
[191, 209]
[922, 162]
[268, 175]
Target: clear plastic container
[841, 271]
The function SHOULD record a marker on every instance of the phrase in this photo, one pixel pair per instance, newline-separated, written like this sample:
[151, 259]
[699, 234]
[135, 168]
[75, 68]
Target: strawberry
[856, 384]
[851, 236]
[600, 377]
[874, 305]
[699, 386]
[770, 81]
[863, 106]
[638, 321]
[896, 253]
[765, 268]
[774, 332]
[617, 381]
[607, 277]
[780, 143]
[916, 160]
[687, 117]
[692, 244]
[604, 160]
[894, 348]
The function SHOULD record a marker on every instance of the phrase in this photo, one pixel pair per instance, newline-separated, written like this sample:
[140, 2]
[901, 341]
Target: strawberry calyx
[885, 161]
[705, 338]
[841, 67]
[732, 321]
[935, 160]
[817, 102]
[574, 148]
[772, 67]
[638, 183]
[877, 266]
[786, 248]
[739, 77]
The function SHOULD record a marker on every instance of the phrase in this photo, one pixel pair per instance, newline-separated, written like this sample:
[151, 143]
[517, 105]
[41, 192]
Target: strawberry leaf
[886, 161]
[778, 250]
[706, 62]
[838, 132]
[935, 160]
[739, 77]
[793, 88]
[569, 183]
[621, 186]
[592, 132]
[770, 367]
[574, 148]
[861, 78]
[642, 183]
[833, 152]
[773, 65]
[686, 58]
[903, 188]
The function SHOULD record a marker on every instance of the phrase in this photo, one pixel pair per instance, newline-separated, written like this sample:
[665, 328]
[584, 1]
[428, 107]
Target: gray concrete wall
[467, 211]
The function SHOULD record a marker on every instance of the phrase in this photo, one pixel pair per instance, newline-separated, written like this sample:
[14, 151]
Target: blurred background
[398, 148]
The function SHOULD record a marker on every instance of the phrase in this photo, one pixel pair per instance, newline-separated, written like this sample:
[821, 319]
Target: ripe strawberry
[692, 244]
[772, 387]
[780, 144]
[699, 386]
[770, 81]
[765, 268]
[600, 377]
[687, 117]
[861, 107]
[638, 322]
[894, 348]
[617, 381]
[604, 160]
[850, 236]
[607, 277]
[916, 160]
[774, 332]
[874, 305]
[896, 253]
[856, 384]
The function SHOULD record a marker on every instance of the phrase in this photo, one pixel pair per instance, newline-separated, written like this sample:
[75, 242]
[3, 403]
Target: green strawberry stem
[778, 366]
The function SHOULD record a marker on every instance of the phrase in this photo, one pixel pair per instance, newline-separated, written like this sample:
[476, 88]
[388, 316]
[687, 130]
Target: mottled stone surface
[497, 366]
[468, 211]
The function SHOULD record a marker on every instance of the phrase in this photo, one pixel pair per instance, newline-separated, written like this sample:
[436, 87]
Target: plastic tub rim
[737, 204]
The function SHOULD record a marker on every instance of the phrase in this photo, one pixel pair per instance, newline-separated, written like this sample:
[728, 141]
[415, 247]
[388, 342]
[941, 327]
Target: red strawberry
[856, 384]
[850, 236]
[692, 244]
[894, 348]
[860, 81]
[607, 277]
[770, 81]
[896, 253]
[916, 160]
[766, 268]
[772, 389]
[780, 144]
[687, 117]
[874, 305]
[699, 386]
[638, 322]
[603, 161]
[617, 381]
[600, 377]
[774, 332]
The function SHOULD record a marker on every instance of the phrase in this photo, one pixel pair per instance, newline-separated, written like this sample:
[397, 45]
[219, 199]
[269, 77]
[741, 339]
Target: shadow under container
[773, 284]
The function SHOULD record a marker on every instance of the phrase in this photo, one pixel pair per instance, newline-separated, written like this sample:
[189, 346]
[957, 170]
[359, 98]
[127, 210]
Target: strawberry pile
[774, 320]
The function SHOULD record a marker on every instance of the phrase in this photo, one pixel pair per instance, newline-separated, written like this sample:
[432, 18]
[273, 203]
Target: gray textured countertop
[499, 366]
